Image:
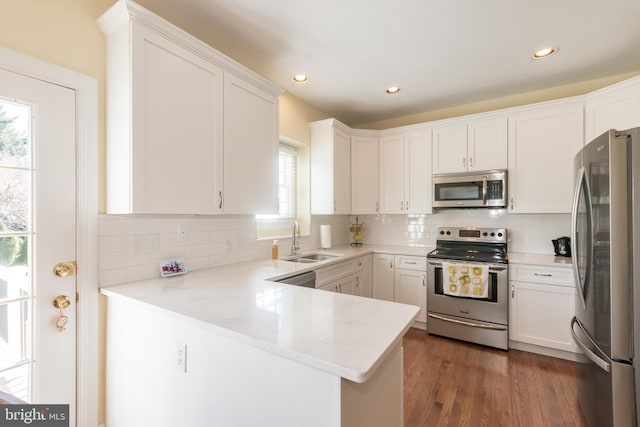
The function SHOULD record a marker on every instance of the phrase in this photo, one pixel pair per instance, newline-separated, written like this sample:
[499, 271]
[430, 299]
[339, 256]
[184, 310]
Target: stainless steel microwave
[486, 189]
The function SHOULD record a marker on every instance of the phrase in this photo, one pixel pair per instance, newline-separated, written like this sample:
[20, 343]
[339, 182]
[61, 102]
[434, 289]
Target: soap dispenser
[274, 250]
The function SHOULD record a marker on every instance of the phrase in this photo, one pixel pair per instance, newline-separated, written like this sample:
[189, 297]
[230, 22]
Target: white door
[37, 231]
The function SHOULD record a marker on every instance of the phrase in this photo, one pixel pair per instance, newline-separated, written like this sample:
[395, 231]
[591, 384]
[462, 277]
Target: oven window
[493, 287]
[468, 191]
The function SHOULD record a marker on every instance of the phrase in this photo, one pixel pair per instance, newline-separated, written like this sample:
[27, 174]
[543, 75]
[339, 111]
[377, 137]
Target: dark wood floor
[453, 383]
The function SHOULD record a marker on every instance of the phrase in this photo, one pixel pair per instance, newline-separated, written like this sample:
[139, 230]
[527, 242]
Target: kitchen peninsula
[228, 346]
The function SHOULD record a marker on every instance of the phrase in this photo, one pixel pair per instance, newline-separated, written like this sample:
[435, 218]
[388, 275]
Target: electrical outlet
[181, 357]
[183, 232]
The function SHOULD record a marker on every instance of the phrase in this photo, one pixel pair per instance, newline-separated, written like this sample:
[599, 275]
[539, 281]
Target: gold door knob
[61, 302]
[66, 268]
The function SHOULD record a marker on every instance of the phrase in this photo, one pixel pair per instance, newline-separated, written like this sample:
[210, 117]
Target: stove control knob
[484, 234]
[493, 234]
[499, 234]
[448, 233]
[441, 232]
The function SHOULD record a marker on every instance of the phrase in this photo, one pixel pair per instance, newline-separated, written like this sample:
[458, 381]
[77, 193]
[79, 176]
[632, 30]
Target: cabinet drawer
[411, 262]
[562, 276]
[327, 274]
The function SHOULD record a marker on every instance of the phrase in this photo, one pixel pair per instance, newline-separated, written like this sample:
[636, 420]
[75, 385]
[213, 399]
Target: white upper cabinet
[168, 106]
[250, 149]
[477, 145]
[543, 141]
[405, 172]
[615, 107]
[365, 194]
[330, 168]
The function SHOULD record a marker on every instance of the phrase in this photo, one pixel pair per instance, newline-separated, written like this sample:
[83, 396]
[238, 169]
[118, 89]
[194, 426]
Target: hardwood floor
[453, 383]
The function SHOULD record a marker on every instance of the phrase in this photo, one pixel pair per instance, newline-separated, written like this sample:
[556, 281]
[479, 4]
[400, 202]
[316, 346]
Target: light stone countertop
[345, 335]
[540, 259]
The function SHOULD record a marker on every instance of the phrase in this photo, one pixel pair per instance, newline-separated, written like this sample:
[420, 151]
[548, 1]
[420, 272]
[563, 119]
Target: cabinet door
[363, 283]
[411, 288]
[383, 277]
[176, 131]
[613, 109]
[364, 175]
[250, 149]
[487, 145]
[392, 174]
[450, 149]
[418, 176]
[348, 285]
[540, 314]
[542, 144]
[341, 173]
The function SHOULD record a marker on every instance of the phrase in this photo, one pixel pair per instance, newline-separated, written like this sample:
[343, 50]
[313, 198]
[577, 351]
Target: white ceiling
[442, 53]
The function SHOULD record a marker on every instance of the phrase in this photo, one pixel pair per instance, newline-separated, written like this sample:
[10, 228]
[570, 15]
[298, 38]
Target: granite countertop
[346, 335]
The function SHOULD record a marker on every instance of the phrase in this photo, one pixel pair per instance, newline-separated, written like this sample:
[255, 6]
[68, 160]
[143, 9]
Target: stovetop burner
[471, 244]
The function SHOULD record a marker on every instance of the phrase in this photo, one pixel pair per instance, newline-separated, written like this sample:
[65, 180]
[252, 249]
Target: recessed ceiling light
[300, 78]
[545, 53]
[393, 89]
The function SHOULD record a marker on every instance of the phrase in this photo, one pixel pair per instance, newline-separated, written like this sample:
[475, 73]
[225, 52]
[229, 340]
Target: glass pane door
[16, 240]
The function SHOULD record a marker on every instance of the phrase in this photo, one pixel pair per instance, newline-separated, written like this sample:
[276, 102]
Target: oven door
[493, 309]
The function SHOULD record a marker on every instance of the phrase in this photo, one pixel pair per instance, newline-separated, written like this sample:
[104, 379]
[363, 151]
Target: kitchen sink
[309, 258]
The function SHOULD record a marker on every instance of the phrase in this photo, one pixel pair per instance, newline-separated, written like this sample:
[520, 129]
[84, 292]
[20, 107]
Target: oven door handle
[492, 267]
[462, 322]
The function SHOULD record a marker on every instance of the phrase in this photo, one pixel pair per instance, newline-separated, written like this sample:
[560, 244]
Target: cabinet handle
[340, 288]
[220, 197]
[512, 203]
[357, 282]
[390, 265]
[470, 162]
[410, 262]
[424, 281]
[377, 206]
[334, 205]
[401, 205]
[543, 275]
[464, 162]
[513, 291]
[406, 206]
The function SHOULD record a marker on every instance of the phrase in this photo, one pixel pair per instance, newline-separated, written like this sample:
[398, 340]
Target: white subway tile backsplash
[132, 246]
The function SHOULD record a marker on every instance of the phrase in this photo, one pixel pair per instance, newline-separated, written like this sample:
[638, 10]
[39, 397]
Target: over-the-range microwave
[487, 189]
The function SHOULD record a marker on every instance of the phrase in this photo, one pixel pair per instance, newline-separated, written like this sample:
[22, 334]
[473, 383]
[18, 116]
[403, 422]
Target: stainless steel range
[467, 291]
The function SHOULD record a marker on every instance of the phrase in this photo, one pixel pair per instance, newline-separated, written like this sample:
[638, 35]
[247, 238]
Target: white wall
[526, 233]
[131, 246]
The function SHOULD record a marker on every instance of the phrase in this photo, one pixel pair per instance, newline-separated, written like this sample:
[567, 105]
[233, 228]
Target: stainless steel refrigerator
[605, 244]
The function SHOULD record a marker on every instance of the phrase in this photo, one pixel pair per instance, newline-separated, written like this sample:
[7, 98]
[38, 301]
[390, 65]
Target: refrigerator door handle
[602, 364]
[580, 183]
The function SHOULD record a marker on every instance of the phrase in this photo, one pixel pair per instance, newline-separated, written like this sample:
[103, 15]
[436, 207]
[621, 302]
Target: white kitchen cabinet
[363, 284]
[405, 172]
[543, 141]
[166, 118]
[250, 149]
[365, 194]
[478, 145]
[330, 167]
[410, 283]
[542, 305]
[383, 277]
[614, 107]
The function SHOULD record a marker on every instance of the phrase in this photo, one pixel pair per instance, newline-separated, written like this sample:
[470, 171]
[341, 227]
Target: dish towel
[465, 280]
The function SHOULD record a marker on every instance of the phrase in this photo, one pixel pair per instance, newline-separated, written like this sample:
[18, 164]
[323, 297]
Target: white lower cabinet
[541, 306]
[411, 288]
[349, 277]
[403, 279]
[383, 277]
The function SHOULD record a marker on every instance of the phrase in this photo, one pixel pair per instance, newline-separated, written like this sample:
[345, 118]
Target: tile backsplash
[526, 233]
[130, 247]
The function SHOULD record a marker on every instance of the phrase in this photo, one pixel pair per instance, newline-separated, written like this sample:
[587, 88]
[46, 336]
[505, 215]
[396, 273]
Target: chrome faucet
[295, 241]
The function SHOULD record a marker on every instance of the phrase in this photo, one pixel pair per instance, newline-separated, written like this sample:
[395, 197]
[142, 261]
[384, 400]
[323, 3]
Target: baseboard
[545, 351]
[419, 325]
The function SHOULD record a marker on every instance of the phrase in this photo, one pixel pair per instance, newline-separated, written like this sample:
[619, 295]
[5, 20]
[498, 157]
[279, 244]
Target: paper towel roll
[325, 236]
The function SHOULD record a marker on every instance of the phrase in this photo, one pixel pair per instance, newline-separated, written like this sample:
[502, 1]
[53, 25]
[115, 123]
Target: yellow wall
[295, 115]
[498, 103]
